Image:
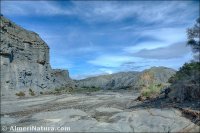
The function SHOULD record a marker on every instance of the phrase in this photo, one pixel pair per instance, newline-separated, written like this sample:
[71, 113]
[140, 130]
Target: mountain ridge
[128, 80]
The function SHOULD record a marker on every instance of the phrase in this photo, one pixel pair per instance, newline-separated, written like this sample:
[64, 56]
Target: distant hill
[128, 80]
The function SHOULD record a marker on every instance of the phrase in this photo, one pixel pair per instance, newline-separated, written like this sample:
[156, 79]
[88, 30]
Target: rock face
[25, 61]
[129, 80]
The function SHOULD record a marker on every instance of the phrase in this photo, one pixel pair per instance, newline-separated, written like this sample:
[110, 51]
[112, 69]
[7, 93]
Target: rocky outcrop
[25, 61]
[129, 80]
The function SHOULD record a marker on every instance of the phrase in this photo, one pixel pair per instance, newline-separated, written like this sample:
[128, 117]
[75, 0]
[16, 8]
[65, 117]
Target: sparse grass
[31, 92]
[152, 90]
[71, 90]
[20, 94]
[58, 91]
[86, 89]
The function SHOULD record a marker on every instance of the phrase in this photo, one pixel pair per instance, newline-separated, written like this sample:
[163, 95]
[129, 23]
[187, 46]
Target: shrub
[31, 92]
[85, 89]
[187, 70]
[186, 83]
[70, 90]
[20, 94]
[59, 90]
[152, 90]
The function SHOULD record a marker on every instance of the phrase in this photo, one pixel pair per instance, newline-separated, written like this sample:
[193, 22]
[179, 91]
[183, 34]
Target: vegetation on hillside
[31, 92]
[194, 39]
[20, 94]
[152, 90]
[70, 90]
[185, 84]
[152, 82]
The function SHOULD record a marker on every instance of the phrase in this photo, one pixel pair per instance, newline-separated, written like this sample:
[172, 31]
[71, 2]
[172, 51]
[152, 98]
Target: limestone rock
[25, 63]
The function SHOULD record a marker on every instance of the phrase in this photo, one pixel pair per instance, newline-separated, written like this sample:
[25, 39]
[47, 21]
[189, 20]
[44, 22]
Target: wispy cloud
[33, 8]
[162, 37]
[113, 64]
[104, 10]
[129, 66]
[140, 10]
[176, 50]
[111, 60]
[99, 37]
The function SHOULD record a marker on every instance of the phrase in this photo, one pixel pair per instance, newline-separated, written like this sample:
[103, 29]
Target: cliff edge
[24, 58]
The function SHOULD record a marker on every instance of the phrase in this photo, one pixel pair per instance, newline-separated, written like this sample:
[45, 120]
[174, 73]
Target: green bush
[31, 92]
[152, 90]
[71, 90]
[186, 82]
[187, 70]
[59, 90]
[85, 89]
[20, 94]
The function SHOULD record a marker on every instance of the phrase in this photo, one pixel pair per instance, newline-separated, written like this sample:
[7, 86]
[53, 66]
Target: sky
[91, 38]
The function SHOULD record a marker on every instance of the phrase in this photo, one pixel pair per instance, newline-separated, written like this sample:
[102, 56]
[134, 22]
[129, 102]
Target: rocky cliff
[25, 63]
[129, 80]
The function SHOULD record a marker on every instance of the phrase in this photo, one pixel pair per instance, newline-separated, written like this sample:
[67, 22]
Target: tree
[185, 84]
[193, 39]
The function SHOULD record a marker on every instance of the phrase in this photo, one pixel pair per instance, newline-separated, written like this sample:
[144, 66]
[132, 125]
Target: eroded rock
[25, 61]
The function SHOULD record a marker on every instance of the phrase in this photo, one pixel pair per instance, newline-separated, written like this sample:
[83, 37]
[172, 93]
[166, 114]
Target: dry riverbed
[95, 112]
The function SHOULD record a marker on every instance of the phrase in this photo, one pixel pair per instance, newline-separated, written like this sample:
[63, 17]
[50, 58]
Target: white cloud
[78, 42]
[170, 35]
[166, 37]
[32, 8]
[165, 11]
[148, 11]
[111, 60]
[112, 64]
[106, 70]
[144, 45]
[172, 51]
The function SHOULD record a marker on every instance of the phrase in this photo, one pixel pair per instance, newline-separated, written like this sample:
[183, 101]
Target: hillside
[129, 80]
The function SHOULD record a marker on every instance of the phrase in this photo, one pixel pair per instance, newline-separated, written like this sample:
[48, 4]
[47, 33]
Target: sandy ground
[95, 112]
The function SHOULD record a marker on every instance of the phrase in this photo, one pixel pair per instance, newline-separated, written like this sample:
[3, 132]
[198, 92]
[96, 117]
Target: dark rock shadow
[189, 109]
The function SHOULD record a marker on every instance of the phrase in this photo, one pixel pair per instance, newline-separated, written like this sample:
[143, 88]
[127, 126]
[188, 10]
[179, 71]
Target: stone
[25, 63]
[154, 120]
[100, 112]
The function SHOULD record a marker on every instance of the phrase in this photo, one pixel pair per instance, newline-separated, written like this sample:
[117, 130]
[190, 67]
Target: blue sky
[99, 37]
